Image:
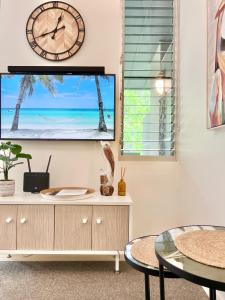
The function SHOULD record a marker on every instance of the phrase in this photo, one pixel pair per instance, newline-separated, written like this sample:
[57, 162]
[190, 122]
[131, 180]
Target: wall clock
[55, 30]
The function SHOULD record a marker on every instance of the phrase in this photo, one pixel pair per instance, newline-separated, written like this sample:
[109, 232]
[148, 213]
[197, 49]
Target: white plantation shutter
[148, 127]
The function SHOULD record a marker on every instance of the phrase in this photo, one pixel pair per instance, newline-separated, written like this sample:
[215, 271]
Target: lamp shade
[162, 84]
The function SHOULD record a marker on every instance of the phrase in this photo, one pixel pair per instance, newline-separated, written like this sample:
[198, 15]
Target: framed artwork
[216, 63]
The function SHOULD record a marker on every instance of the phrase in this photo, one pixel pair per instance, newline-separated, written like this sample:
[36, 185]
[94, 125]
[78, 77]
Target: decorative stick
[124, 171]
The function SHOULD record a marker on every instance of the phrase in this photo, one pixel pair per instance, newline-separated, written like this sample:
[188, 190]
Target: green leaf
[3, 158]
[16, 149]
[24, 155]
[4, 146]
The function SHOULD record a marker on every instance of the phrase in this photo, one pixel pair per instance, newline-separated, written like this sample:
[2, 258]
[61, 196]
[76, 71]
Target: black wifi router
[34, 182]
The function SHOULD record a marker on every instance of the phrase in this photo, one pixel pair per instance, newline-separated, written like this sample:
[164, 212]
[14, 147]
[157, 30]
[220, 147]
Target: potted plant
[9, 155]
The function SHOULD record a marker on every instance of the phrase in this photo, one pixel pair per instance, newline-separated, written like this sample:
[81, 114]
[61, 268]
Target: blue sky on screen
[75, 92]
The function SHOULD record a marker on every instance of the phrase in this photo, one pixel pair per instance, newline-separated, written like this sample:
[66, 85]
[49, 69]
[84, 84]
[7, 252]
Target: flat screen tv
[57, 107]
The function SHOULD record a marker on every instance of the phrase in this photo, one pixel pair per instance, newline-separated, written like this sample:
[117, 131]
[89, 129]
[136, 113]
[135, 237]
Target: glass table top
[192, 270]
[141, 266]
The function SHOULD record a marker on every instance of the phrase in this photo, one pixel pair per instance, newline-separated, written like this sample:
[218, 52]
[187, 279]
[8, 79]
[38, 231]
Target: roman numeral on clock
[56, 56]
[55, 4]
[77, 17]
[69, 53]
[33, 44]
[41, 7]
[29, 31]
[81, 29]
[43, 53]
[78, 43]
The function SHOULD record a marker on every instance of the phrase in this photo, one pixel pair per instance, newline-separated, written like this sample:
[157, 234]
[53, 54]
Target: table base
[212, 292]
[147, 287]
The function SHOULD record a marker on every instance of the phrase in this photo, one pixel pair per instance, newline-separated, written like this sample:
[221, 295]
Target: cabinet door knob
[23, 221]
[8, 220]
[99, 221]
[84, 220]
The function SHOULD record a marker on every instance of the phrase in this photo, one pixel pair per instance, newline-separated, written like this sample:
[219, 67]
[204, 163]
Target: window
[148, 127]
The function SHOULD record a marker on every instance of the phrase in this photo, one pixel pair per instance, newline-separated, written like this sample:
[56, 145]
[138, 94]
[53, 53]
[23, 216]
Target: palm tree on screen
[27, 88]
[101, 124]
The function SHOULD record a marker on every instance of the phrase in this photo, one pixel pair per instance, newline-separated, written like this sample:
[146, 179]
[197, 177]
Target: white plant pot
[7, 188]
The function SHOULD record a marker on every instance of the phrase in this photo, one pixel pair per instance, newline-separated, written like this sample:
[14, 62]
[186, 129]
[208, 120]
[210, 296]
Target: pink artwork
[216, 63]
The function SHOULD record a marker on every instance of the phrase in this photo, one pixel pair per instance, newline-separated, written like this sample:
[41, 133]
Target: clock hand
[43, 34]
[52, 31]
[57, 29]
[59, 20]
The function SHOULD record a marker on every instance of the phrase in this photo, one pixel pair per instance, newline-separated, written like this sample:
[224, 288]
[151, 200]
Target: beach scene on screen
[57, 107]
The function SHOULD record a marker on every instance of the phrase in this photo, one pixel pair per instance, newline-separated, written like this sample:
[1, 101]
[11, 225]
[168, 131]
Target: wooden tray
[51, 194]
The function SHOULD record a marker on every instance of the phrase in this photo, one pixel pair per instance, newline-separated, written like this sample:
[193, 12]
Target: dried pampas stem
[123, 171]
[109, 157]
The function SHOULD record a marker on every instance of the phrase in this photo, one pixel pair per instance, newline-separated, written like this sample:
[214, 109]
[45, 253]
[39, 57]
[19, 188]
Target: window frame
[176, 76]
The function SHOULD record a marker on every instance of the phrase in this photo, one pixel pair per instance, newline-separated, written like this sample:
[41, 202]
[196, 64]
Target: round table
[172, 259]
[140, 266]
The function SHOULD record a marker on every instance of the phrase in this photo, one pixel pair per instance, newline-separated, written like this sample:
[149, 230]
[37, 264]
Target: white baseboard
[59, 258]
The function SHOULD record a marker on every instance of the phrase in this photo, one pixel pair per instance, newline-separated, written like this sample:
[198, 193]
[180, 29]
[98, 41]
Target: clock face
[55, 30]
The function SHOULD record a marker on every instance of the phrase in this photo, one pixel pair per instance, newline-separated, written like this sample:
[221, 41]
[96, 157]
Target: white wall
[166, 194]
[202, 159]
[201, 151]
[151, 184]
[73, 162]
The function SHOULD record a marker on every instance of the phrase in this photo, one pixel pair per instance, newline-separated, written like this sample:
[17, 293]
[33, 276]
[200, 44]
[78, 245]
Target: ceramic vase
[7, 188]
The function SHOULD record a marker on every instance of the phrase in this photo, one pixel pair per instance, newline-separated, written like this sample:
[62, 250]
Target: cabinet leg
[117, 263]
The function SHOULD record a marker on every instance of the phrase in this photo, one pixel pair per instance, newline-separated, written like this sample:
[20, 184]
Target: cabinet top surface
[29, 198]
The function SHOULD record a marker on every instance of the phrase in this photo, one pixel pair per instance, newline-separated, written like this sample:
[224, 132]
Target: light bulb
[160, 86]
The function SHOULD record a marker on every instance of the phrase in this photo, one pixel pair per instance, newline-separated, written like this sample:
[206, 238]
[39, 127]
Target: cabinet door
[35, 227]
[8, 227]
[73, 227]
[110, 227]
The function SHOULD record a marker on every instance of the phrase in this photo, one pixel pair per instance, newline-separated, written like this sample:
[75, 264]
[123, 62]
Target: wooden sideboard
[98, 225]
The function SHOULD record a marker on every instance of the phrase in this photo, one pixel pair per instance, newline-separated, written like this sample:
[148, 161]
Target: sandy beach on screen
[62, 134]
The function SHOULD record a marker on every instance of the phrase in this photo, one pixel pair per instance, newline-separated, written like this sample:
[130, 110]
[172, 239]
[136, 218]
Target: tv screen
[57, 107]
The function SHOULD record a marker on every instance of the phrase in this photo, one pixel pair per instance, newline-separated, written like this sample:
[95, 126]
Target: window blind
[148, 126]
